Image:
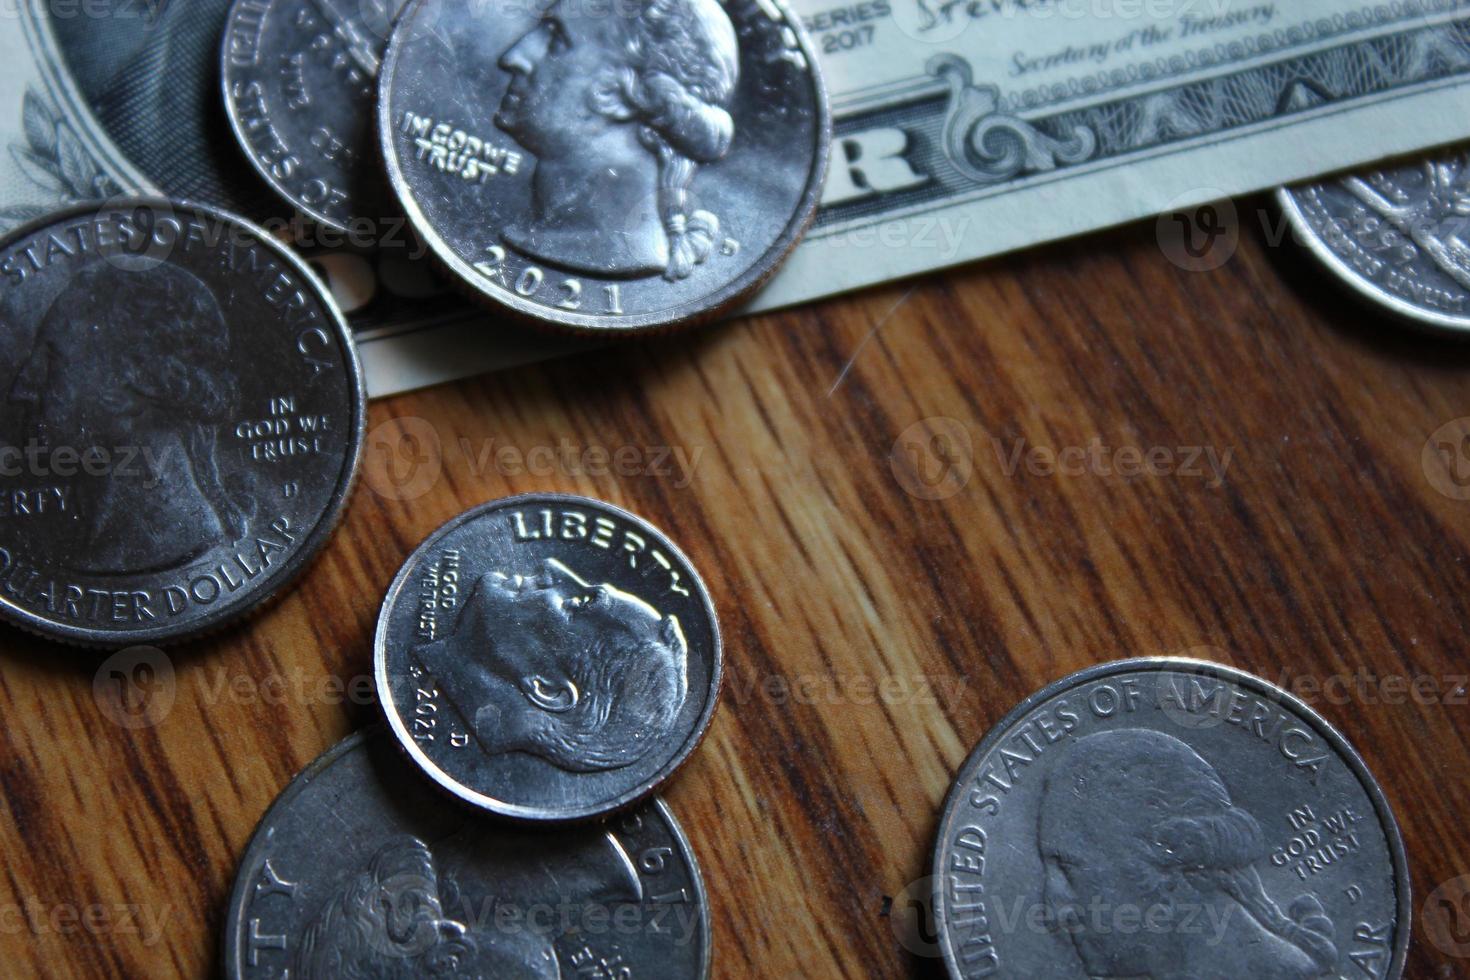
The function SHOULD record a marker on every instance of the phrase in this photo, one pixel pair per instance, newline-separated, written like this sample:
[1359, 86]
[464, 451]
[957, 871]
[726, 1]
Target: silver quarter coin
[183, 424]
[1168, 818]
[360, 869]
[300, 77]
[605, 166]
[1399, 235]
[548, 657]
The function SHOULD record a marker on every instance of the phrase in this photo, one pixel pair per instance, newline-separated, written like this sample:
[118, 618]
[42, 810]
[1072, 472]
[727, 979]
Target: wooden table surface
[894, 567]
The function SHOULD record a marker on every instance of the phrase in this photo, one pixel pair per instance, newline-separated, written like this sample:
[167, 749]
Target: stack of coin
[559, 159]
[360, 870]
[300, 79]
[547, 658]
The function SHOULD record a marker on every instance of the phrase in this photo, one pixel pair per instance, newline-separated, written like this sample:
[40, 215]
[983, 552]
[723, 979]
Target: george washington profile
[137, 364]
[1135, 819]
[586, 677]
[620, 109]
[472, 906]
[393, 921]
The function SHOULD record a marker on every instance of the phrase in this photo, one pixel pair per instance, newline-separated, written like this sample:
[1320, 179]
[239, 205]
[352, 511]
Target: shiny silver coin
[1399, 235]
[548, 657]
[605, 166]
[183, 425]
[299, 78]
[360, 869]
[1168, 818]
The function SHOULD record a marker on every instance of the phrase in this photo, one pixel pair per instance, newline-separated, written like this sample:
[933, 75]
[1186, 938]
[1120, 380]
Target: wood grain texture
[872, 636]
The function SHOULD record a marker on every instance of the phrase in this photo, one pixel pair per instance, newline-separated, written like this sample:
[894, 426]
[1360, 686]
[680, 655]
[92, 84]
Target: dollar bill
[964, 128]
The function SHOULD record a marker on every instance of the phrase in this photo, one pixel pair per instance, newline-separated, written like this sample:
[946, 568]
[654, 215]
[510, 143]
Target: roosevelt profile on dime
[1137, 819]
[620, 109]
[163, 384]
[588, 678]
[548, 657]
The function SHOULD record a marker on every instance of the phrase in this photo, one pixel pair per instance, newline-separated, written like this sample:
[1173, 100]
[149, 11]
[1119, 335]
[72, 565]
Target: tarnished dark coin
[1399, 234]
[610, 165]
[360, 869]
[548, 657]
[184, 415]
[1168, 818]
[300, 77]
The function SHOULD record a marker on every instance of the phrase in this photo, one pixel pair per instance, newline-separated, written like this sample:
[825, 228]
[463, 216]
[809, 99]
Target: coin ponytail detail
[1224, 847]
[681, 72]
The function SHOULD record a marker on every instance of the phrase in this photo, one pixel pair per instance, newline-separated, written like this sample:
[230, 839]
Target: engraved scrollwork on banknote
[1367, 69]
[987, 145]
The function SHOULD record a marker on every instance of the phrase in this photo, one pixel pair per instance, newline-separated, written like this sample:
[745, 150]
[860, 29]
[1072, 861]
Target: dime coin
[360, 869]
[605, 166]
[548, 657]
[299, 79]
[1399, 235]
[183, 424]
[1168, 818]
